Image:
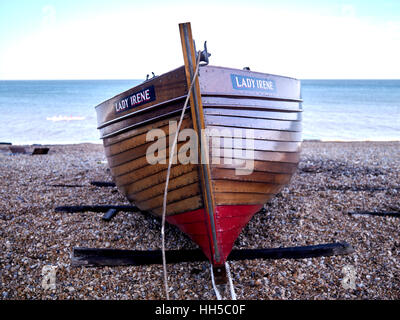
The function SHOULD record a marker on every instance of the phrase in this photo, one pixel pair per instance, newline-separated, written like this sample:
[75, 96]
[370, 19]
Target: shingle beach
[333, 180]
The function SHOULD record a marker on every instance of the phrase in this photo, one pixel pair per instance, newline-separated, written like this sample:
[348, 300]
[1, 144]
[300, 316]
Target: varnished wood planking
[254, 176]
[138, 130]
[257, 114]
[231, 186]
[177, 199]
[236, 198]
[131, 166]
[174, 195]
[141, 151]
[174, 183]
[250, 104]
[188, 204]
[256, 144]
[132, 154]
[291, 157]
[136, 185]
[263, 166]
[237, 122]
[140, 139]
[272, 135]
[154, 173]
[130, 157]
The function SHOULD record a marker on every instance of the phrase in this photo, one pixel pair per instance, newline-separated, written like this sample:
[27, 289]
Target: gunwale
[177, 73]
[212, 84]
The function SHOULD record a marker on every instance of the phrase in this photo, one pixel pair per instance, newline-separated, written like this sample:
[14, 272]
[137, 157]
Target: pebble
[333, 179]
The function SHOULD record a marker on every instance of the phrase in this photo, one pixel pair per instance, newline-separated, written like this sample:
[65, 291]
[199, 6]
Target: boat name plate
[137, 99]
[240, 82]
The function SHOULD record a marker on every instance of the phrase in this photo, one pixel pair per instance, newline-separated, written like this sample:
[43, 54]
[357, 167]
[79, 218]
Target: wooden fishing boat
[210, 202]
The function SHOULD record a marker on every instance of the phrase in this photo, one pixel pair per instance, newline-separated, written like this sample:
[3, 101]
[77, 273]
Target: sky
[127, 39]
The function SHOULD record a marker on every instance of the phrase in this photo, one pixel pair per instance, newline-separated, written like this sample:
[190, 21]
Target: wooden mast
[189, 56]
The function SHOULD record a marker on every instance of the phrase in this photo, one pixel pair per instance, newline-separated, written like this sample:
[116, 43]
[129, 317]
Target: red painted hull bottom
[229, 222]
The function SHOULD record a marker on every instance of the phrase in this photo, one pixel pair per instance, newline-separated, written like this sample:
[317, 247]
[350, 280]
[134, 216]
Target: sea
[63, 111]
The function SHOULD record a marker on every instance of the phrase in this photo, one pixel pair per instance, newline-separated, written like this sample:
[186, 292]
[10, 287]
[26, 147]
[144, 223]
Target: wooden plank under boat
[232, 100]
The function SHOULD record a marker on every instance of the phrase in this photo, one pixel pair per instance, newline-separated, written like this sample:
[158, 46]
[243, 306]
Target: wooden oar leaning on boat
[208, 200]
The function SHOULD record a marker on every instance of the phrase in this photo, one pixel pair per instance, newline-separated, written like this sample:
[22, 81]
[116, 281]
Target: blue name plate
[251, 83]
[135, 100]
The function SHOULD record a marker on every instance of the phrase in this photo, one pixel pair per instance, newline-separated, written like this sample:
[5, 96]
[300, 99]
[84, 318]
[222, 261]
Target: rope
[231, 287]
[171, 157]
[213, 283]
[228, 270]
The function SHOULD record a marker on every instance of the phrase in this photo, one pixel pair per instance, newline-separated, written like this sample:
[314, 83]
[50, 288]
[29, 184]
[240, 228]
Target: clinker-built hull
[234, 103]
